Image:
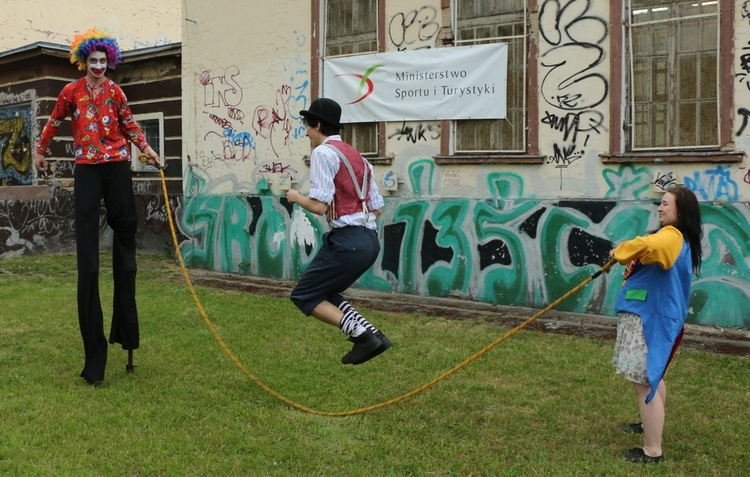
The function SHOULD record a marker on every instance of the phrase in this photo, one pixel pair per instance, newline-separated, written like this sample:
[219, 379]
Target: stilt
[129, 368]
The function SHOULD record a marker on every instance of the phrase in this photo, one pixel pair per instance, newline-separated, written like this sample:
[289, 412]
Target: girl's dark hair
[325, 128]
[689, 222]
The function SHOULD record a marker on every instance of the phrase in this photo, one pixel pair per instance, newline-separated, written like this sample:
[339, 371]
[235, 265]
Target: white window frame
[135, 164]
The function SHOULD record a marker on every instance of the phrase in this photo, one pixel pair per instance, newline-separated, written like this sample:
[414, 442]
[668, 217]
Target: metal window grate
[492, 21]
[351, 28]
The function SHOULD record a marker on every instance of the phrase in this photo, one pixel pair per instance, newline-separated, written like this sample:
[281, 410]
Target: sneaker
[366, 346]
[634, 428]
[385, 343]
[636, 455]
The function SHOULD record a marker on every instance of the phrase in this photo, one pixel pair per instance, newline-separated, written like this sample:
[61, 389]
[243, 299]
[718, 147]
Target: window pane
[686, 123]
[709, 116]
[659, 124]
[150, 128]
[490, 21]
[708, 80]
[351, 27]
[640, 122]
[363, 136]
[688, 76]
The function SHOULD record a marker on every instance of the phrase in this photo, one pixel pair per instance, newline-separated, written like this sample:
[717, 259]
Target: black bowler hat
[326, 110]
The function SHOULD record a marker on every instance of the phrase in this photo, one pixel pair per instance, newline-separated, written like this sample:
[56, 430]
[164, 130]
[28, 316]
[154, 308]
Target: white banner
[465, 82]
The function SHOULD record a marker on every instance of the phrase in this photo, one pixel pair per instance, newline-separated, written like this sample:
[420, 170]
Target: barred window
[152, 126]
[495, 21]
[351, 28]
[674, 89]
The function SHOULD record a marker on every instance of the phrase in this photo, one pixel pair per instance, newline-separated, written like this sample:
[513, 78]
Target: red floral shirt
[102, 124]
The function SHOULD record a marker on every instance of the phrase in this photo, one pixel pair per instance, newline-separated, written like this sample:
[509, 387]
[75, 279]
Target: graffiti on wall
[571, 90]
[36, 226]
[414, 30]
[15, 145]
[501, 250]
[713, 184]
[269, 129]
[30, 227]
[222, 95]
[416, 132]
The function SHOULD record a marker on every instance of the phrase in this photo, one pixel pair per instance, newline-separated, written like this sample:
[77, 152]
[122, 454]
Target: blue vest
[660, 298]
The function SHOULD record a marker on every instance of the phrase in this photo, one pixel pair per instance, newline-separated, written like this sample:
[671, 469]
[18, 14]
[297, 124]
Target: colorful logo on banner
[364, 81]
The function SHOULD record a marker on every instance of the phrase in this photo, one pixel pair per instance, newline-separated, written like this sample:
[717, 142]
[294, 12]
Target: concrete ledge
[38, 192]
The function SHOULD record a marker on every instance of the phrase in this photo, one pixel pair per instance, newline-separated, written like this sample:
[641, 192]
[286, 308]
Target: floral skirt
[629, 358]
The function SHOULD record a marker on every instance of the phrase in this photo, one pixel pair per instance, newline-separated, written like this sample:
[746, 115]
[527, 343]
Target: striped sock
[350, 326]
[347, 308]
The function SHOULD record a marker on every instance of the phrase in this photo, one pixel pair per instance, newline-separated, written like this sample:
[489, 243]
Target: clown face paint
[96, 64]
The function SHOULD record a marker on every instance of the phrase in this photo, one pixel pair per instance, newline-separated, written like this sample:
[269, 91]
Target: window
[492, 21]
[351, 28]
[673, 75]
[152, 125]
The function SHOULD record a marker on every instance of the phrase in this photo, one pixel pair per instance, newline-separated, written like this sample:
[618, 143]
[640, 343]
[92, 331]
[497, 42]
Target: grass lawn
[536, 405]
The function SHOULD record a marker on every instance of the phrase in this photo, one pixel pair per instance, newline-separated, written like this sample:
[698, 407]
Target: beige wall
[252, 76]
[135, 23]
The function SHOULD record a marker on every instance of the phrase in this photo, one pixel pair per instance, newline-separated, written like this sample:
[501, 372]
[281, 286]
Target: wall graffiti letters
[713, 184]
[521, 252]
[420, 132]
[665, 180]
[39, 226]
[572, 89]
[414, 30]
[221, 91]
[570, 124]
[277, 168]
[274, 123]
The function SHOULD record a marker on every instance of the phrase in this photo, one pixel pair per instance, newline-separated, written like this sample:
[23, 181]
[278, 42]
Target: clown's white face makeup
[96, 64]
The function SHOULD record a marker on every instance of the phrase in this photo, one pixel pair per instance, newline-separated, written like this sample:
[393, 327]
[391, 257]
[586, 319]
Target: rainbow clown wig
[94, 40]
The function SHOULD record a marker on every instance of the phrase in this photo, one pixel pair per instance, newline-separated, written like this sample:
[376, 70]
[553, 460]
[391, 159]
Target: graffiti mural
[501, 250]
[29, 227]
[15, 145]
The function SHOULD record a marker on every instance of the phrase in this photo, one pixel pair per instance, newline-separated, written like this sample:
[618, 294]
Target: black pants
[113, 183]
[346, 253]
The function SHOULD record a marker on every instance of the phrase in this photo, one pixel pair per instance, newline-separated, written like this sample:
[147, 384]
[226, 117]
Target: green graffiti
[194, 183]
[306, 232]
[421, 175]
[505, 186]
[627, 181]
[412, 213]
[559, 275]
[271, 239]
[502, 250]
[217, 225]
[725, 274]
[504, 284]
[442, 278]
